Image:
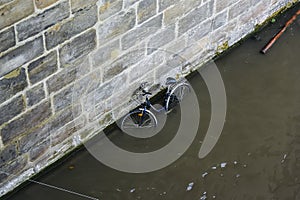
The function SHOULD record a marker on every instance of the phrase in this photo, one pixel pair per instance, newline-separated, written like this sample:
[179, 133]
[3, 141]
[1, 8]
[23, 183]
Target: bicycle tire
[133, 120]
[176, 95]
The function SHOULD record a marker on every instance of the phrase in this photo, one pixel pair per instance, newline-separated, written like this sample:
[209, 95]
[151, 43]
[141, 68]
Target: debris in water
[273, 20]
[249, 154]
[244, 165]
[190, 186]
[284, 157]
[164, 193]
[204, 174]
[132, 190]
[221, 175]
[71, 167]
[119, 190]
[214, 197]
[214, 167]
[203, 197]
[238, 175]
[223, 165]
[235, 162]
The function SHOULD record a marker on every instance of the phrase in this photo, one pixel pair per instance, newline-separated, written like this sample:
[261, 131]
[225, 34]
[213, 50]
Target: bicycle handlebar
[146, 93]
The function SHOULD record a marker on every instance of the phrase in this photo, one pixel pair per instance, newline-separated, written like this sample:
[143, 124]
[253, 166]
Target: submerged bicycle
[142, 117]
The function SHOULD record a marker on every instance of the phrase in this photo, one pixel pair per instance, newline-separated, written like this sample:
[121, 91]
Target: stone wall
[68, 67]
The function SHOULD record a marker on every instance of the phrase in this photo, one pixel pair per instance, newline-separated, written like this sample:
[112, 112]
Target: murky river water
[260, 142]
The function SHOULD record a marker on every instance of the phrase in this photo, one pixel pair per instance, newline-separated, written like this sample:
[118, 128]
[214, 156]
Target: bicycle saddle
[170, 81]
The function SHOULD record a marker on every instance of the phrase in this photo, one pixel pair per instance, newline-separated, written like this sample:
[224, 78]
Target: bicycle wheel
[139, 119]
[176, 95]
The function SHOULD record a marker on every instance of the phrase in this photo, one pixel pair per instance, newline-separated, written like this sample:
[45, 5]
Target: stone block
[35, 94]
[21, 55]
[7, 39]
[199, 31]
[220, 20]
[137, 35]
[38, 150]
[77, 48]
[106, 53]
[121, 63]
[128, 3]
[8, 154]
[195, 17]
[25, 122]
[12, 83]
[42, 21]
[43, 67]
[14, 167]
[160, 39]
[109, 8]
[116, 25]
[146, 65]
[163, 4]
[63, 31]
[68, 130]
[238, 9]
[15, 11]
[67, 76]
[40, 4]
[2, 2]
[11, 109]
[172, 14]
[145, 10]
[33, 138]
[77, 5]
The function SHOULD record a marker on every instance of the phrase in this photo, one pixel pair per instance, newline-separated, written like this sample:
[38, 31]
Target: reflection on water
[256, 157]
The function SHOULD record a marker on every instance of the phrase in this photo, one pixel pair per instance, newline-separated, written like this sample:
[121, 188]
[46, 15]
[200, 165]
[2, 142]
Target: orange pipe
[273, 40]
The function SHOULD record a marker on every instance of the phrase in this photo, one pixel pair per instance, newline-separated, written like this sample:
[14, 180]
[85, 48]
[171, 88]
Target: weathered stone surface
[220, 20]
[33, 138]
[106, 53]
[75, 92]
[199, 31]
[172, 14]
[77, 48]
[145, 10]
[9, 153]
[116, 25]
[128, 3]
[2, 2]
[35, 95]
[7, 39]
[67, 75]
[42, 21]
[21, 55]
[44, 3]
[81, 4]
[222, 4]
[38, 150]
[15, 11]
[195, 17]
[42, 68]
[136, 36]
[163, 4]
[146, 65]
[68, 130]
[106, 90]
[11, 109]
[238, 9]
[61, 32]
[160, 39]
[109, 8]
[25, 122]
[12, 83]
[122, 63]
[14, 167]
